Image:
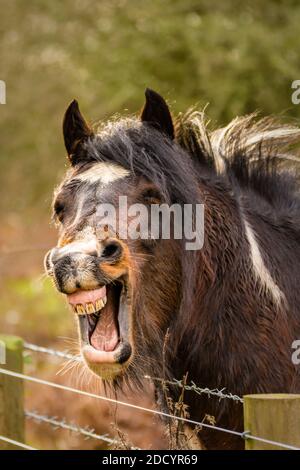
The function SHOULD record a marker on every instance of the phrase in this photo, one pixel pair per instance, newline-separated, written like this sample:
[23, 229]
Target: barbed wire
[52, 352]
[111, 400]
[219, 393]
[243, 435]
[16, 443]
[86, 431]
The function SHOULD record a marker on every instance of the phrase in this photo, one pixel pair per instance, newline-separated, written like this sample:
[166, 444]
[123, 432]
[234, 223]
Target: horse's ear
[75, 128]
[157, 113]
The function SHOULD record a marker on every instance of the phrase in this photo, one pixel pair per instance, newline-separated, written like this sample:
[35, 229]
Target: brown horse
[227, 313]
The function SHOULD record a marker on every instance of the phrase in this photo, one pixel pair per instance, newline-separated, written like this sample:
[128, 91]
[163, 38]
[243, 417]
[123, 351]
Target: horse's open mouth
[103, 315]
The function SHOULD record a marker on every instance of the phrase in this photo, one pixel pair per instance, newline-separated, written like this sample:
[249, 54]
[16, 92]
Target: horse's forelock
[144, 151]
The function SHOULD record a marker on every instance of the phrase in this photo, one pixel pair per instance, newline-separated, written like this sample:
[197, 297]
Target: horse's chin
[104, 324]
[106, 371]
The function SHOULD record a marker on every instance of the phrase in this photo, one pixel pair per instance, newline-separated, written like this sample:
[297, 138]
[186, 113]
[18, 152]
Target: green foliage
[35, 307]
[237, 56]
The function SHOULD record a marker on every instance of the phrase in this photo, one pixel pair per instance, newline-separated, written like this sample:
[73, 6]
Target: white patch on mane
[260, 270]
[104, 172]
[270, 135]
[245, 134]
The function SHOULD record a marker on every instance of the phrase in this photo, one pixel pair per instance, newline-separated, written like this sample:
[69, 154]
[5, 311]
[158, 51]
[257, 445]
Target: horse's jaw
[104, 328]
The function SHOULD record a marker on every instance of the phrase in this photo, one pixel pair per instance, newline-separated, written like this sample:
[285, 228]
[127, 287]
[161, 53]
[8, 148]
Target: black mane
[251, 156]
[145, 151]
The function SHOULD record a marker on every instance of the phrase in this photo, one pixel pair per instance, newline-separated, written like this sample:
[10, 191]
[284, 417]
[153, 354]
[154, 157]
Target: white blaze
[104, 172]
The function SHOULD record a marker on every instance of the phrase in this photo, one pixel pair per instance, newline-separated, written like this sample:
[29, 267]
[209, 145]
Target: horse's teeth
[89, 308]
[80, 309]
[99, 304]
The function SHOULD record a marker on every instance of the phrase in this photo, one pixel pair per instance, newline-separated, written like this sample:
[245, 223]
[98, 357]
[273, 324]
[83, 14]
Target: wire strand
[51, 352]
[75, 428]
[219, 393]
[141, 408]
[16, 443]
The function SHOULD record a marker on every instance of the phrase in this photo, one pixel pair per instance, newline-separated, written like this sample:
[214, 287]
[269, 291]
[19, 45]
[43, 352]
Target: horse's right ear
[75, 129]
[156, 112]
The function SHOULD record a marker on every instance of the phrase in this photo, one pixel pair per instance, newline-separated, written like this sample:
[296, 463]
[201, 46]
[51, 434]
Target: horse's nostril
[111, 250]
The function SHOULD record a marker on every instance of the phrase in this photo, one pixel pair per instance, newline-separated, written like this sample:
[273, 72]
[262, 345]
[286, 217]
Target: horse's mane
[258, 155]
[144, 151]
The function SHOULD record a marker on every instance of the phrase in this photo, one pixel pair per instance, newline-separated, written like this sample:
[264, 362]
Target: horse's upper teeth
[90, 307]
[80, 309]
[100, 304]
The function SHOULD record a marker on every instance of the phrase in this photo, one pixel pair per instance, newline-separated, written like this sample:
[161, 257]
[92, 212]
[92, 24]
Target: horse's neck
[234, 281]
[245, 292]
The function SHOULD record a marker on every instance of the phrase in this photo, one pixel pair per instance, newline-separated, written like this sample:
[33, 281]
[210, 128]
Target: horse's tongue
[105, 336]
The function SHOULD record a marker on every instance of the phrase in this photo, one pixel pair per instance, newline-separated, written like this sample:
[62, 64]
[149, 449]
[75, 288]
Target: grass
[35, 308]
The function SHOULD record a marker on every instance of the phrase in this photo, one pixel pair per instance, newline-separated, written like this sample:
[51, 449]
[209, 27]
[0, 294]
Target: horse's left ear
[157, 113]
[75, 129]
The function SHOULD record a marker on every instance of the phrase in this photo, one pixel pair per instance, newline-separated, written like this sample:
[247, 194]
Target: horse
[223, 315]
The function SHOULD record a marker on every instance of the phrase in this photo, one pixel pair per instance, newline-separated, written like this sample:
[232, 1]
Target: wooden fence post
[272, 416]
[11, 391]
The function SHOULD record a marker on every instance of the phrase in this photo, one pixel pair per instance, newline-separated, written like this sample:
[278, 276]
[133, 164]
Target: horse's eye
[59, 210]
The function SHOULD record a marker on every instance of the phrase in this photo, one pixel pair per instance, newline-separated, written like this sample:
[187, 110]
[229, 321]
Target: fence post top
[11, 341]
[273, 396]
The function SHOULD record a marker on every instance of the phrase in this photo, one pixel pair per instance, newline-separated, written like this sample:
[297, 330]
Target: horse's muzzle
[78, 265]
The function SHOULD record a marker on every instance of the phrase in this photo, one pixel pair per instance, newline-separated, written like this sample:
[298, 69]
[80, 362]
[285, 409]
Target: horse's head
[124, 287]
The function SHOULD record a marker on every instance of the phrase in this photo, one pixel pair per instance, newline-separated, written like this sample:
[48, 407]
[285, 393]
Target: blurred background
[236, 56]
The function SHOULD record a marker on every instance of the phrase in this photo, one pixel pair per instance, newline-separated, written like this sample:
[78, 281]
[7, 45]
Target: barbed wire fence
[87, 432]
[179, 383]
[219, 393]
